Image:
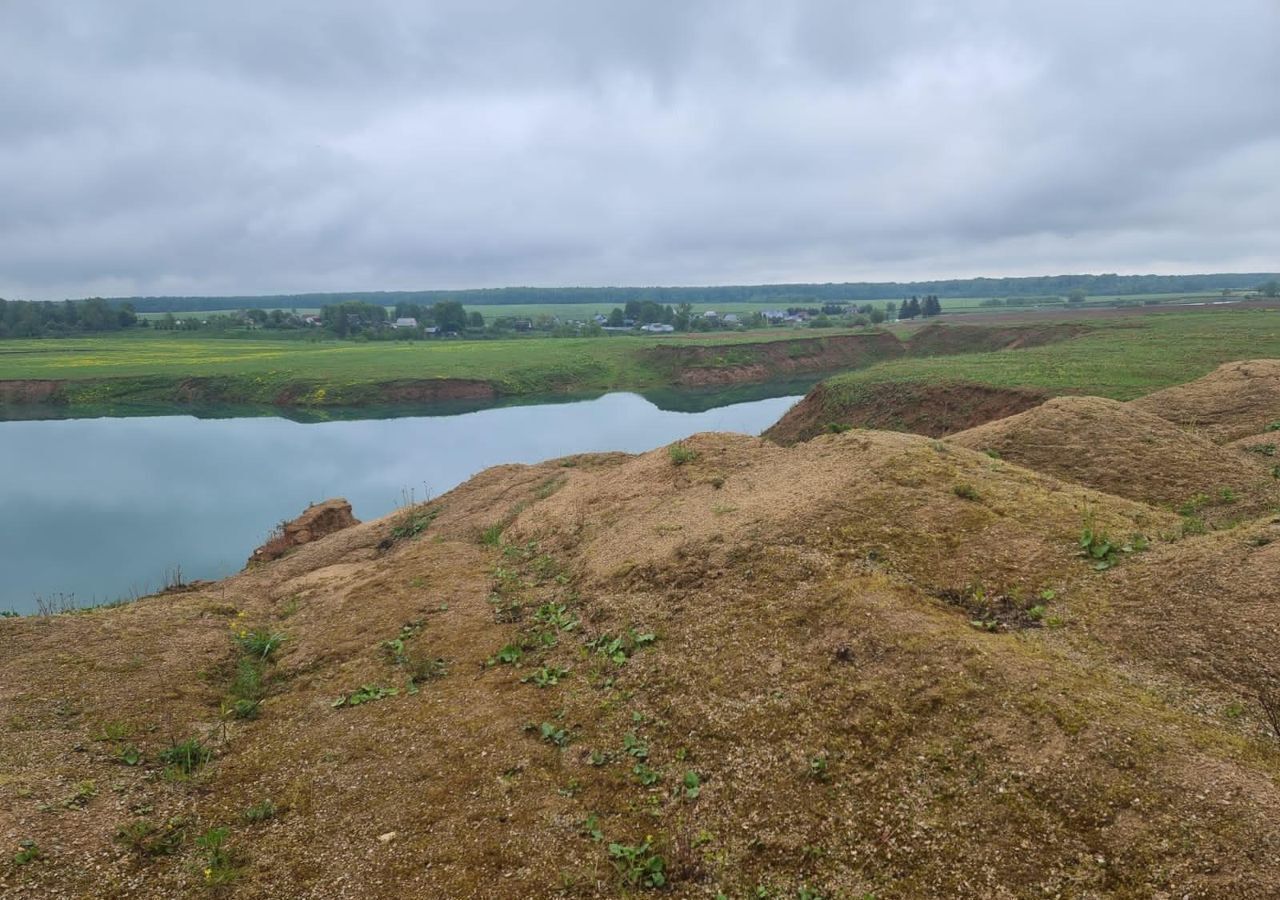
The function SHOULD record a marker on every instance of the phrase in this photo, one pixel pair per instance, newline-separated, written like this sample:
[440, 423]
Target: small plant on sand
[545, 676]
[633, 747]
[219, 863]
[422, 668]
[1226, 495]
[260, 642]
[413, 522]
[182, 759]
[556, 615]
[509, 655]
[591, 828]
[1274, 426]
[818, 767]
[549, 733]
[645, 775]
[394, 647]
[680, 454]
[620, 648]
[260, 812]
[966, 491]
[691, 785]
[1193, 505]
[366, 693]
[1263, 449]
[638, 865]
[1102, 551]
[148, 839]
[28, 851]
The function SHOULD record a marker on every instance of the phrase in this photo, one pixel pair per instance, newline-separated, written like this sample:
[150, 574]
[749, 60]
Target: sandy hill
[1235, 400]
[1123, 450]
[873, 664]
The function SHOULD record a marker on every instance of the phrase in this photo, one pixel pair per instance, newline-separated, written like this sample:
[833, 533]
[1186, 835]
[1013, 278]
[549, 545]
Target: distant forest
[20, 318]
[780, 294]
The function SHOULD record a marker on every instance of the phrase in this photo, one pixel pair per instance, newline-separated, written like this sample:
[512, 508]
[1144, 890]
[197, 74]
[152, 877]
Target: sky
[316, 145]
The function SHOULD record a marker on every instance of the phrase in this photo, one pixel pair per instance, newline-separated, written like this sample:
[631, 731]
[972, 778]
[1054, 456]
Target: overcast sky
[261, 147]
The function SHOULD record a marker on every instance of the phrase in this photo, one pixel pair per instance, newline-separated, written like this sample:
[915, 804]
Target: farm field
[1120, 358]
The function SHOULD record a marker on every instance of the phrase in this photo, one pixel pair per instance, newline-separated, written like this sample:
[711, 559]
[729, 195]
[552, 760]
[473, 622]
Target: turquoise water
[98, 509]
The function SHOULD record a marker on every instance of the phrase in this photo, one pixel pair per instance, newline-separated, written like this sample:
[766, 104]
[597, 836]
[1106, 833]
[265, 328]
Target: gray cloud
[152, 147]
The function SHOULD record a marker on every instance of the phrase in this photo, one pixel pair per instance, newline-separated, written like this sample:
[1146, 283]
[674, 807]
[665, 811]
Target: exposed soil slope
[1235, 400]
[939, 339]
[815, 666]
[694, 365]
[1119, 448]
[919, 407]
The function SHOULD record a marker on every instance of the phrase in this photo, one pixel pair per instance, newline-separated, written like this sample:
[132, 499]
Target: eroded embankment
[935, 408]
[932, 408]
[696, 366]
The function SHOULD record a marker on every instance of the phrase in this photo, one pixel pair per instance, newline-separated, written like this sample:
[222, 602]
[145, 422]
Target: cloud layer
[154, 147]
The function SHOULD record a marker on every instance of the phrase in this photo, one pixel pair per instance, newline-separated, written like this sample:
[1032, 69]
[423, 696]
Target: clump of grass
[260, 812]
[966, 491]
[184, 758]
[680, 454]
[219, 863]
[838, 428]
[148, 839]
[413, 522]
[28, 851]
[260, 642]
[491, 536]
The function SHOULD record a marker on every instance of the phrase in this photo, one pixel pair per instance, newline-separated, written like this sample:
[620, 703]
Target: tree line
[779, 294]
[26, 318]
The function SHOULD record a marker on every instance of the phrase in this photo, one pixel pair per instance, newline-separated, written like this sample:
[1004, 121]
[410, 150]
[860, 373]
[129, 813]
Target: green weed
[260, 812]
[638, 865]
[219, 863]
[966, 491]
[28, 851]
[184, 758]
[366, 693]
[680, 454]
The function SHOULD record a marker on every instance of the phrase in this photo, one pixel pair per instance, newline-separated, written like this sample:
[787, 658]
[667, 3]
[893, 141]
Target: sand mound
[918, 407]
[872, 664]
[1235, 400]
[1118, 448]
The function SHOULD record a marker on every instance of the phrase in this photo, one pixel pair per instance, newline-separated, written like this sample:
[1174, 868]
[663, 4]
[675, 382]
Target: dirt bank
[932, 408]
[695, 366]
[31, 391]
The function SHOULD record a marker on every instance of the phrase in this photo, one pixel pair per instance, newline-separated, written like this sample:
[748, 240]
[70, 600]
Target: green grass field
[1124, 358]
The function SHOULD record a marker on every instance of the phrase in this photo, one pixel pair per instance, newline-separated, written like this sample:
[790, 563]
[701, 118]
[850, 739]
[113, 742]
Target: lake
[103, 508]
